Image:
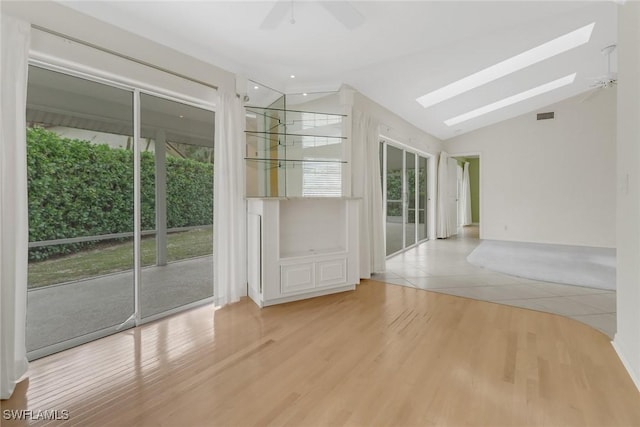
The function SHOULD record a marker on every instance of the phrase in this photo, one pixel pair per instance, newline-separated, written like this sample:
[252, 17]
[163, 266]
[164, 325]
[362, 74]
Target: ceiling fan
[342, 11]
[608, 80]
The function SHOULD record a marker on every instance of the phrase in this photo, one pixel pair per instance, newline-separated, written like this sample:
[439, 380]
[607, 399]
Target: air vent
[546, 116]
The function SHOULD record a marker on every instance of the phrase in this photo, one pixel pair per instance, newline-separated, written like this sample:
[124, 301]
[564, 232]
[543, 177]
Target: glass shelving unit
[295, 152]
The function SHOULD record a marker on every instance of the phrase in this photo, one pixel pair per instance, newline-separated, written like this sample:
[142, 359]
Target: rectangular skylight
[539, 90]
[532, 56]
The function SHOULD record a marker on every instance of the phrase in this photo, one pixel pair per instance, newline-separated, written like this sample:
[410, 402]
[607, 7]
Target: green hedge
[77, 188]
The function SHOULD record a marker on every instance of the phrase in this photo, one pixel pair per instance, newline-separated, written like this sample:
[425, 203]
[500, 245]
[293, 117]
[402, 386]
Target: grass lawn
[113, 257]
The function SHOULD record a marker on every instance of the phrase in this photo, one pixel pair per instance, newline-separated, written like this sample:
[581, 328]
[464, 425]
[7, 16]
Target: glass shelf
[295, 152]
[267, 133]
[256, 109]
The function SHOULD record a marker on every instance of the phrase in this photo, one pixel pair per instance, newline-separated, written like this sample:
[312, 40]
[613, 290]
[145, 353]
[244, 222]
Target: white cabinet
[301, 248]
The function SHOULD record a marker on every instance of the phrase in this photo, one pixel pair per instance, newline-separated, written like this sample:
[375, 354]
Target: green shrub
[77, 188]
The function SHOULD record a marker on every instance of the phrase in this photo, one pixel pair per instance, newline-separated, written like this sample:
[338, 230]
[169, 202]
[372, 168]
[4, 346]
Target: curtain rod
[120, 55]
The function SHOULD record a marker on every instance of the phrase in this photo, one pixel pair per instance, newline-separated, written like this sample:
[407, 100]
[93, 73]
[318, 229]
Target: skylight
[532, 56]
[539, 90]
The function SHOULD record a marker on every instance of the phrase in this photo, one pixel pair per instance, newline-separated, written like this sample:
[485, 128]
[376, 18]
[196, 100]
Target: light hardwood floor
[381, 355]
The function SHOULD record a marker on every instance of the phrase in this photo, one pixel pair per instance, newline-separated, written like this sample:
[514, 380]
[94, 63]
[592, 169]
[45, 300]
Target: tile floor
[441, 266]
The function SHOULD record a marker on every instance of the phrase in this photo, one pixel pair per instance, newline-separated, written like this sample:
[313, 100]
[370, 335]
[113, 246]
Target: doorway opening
[468, 203]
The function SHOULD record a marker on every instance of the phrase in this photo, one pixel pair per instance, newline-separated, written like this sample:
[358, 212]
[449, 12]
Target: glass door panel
[422, 198]
[176, 162]
[395, 205]
[80, 190]
[410, 199]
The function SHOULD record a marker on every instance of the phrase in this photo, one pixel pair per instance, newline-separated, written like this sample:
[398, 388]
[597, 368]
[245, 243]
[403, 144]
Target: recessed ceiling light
[532, 56]
[539, 90]
[181, 116]
[256, 87]
[292, 76]
[304, 94]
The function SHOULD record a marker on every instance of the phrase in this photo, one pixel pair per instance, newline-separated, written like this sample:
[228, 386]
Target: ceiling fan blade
[344, 12]
[276, 15]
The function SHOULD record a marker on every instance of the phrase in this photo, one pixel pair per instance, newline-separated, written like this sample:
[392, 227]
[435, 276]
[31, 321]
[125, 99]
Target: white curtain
[443, 228]
[367, 186]
[14, 228]
[229, 241]
[466, 196]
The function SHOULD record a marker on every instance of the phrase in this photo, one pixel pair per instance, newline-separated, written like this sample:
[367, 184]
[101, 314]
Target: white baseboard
[626, 364]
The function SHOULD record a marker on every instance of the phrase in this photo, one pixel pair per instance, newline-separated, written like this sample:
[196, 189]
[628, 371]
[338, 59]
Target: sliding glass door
[84, 206]
[81, 202]
[406, 197]
[176, 158]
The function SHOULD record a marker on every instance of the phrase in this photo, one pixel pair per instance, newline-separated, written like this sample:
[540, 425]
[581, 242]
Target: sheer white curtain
[366, 185]
[14, 228]
[229, 240]
[466, 196]
[443, 228]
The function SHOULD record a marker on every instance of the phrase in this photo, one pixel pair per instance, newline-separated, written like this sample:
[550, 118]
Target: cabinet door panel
[296, 277]
[331, 272]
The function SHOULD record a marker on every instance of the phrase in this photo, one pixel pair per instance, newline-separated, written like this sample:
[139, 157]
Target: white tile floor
[441, 266]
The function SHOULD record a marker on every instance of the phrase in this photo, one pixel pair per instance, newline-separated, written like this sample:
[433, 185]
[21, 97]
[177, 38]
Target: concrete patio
[62, 312]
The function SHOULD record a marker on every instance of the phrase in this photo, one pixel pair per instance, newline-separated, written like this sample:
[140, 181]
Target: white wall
[550, 181]
[627, 339]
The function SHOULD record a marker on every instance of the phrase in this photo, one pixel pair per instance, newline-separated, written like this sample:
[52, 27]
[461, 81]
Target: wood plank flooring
[381, 355]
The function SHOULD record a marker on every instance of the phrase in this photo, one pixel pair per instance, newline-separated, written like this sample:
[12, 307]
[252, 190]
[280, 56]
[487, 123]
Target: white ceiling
[401, 51]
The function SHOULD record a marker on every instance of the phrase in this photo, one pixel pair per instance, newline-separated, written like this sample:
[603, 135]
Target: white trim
[305, 295]
[404, 146]
[625, 363]
[137, 208]
[183, 99]
[74, 70]
[48, 63]
[384, 191]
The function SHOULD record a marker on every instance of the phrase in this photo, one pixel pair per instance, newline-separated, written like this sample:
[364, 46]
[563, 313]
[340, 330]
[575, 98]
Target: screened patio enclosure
[120, 207]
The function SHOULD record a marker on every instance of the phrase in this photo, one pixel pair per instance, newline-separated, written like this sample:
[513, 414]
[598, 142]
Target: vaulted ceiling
[393, 53]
